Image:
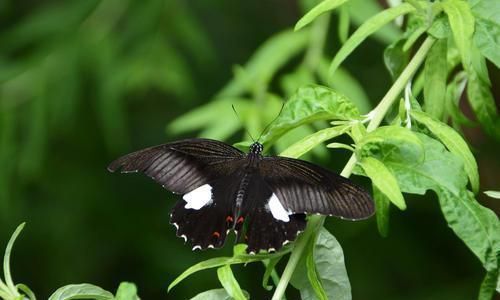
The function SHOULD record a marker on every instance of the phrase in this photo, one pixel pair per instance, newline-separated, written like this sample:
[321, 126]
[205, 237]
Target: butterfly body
[263, 199]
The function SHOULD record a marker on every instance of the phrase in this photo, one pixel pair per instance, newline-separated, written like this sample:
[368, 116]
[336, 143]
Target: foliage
[438, 57]
[420, 151]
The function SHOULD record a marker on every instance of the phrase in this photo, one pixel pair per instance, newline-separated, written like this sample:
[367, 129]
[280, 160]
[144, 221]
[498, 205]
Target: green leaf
[340, 146]
[207, 264]
[300, 77]
[462, 26]
[395, 58]
[81, 291]
[203, 117]
[487, 33]
[393, 143]
[262, 66]
[346, 84]
[228, 281]
[344, 21]
[240, 257]
[309, 142]
[384, 180]
[488, 286]
[454, 142]
[442, 172]
[483, 104]
[270, 265]
[486, 9]
[217, 294]
[382, 207]
[330, 267]
[454, 93]
[487, 40]
[126, 291]
[370, 26]
[308, 104]
[358, 131]
[493, 194]
[6, 259]
[436, 73]
[440, 28]
[26, 290]
[321, 8]
[362, 10]
[312, 273]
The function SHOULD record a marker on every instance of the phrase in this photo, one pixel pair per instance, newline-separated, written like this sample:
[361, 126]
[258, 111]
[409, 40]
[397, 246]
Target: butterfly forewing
[184, 165]
[303, 187]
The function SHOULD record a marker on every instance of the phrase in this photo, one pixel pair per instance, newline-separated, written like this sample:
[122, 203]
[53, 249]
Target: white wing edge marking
[277, 209]
[199, 197]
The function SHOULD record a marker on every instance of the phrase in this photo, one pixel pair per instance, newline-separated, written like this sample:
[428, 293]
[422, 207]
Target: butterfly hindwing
[205, 215]
[184, 165]
[268, 225]
[303, 187]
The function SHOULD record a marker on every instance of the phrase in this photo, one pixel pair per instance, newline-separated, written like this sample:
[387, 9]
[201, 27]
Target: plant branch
[378, 115]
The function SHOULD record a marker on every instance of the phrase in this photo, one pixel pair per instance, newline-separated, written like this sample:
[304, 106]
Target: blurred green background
[82, 82]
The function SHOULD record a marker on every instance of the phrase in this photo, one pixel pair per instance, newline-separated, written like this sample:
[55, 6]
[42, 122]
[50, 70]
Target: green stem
[378, 115]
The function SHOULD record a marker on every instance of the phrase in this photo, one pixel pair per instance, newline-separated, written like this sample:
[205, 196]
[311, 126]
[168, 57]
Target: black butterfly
[264, 199]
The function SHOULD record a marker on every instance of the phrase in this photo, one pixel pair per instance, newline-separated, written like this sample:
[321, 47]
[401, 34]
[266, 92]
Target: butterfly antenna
[238, 116]
[271, 123]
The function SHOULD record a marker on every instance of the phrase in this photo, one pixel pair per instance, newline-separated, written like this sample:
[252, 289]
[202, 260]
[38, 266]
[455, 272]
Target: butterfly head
[256, 148]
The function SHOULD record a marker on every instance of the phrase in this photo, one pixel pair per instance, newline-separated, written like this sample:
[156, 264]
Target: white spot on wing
[198, 197]
[277, 209]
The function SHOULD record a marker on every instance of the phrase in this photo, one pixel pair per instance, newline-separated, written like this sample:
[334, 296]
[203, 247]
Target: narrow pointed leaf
[271, 264]
[384, 180]
[436, 72]
[366, 29]
[238, 258]
[462, 26]
[228, 281]
[493, 194]
[264, 63]
[26, 291]
[382, 207]
[6, 261]
[309, 142]
[312, 273]
[321, 8]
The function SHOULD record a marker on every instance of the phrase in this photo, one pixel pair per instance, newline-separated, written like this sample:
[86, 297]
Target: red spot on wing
[216, 234]
[240, 220]
[229, 219]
